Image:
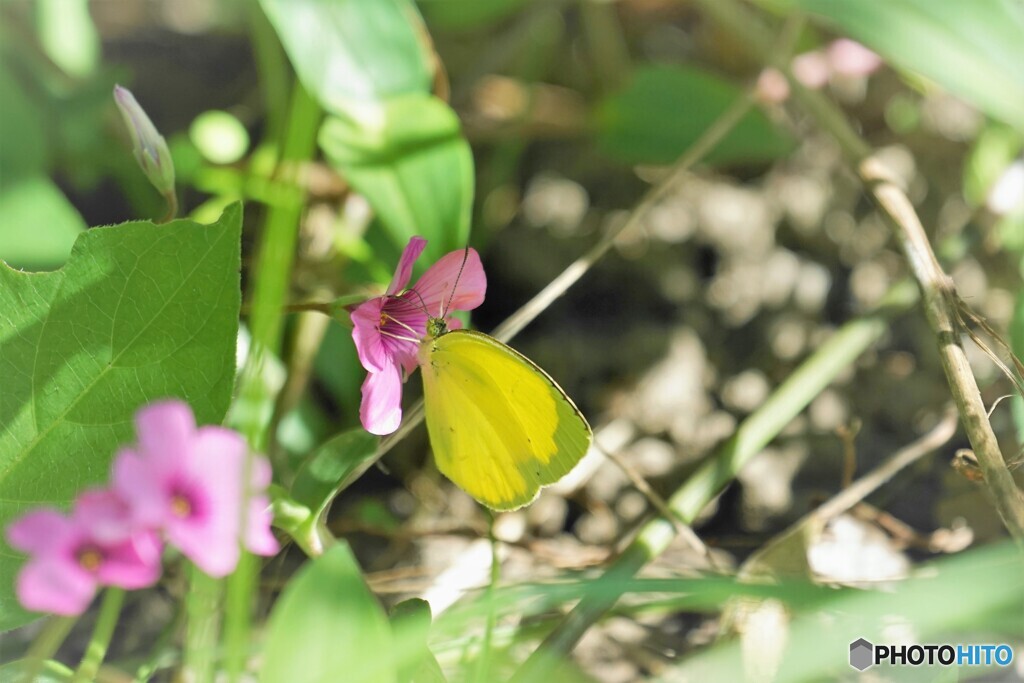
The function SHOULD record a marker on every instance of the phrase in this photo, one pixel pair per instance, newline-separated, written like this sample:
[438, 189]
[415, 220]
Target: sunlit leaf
[410, 622]
[326, 471]
[349, 51]
[138, 313]
[409, 159]
[665, 109]
[328, 626]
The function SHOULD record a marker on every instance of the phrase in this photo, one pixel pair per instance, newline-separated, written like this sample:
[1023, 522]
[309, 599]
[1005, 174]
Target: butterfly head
[436, 327]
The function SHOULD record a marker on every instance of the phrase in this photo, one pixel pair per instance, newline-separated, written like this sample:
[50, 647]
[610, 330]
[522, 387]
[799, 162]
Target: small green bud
[150, 148]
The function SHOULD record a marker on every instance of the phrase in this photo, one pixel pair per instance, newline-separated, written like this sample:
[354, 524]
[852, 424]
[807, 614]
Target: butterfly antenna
[451, 297]
[423, 304]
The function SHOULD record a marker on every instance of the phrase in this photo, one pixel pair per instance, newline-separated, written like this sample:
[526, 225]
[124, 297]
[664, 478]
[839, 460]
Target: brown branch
[939, 293]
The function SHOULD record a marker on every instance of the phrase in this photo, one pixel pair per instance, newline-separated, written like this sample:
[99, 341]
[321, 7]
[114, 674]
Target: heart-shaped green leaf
[138, 313]
[328, 626]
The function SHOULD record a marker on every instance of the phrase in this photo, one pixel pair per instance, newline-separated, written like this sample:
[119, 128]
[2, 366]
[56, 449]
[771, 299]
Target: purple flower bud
[150, 148]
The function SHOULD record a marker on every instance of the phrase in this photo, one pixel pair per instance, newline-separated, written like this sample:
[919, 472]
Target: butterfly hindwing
[499, 426]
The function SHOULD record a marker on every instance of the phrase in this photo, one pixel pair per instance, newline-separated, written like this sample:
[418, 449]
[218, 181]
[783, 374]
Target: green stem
[110, 610]
[45, 645]
[482, 673]
[172, 207]
[806, 382]
[201, 636]
[271, 275]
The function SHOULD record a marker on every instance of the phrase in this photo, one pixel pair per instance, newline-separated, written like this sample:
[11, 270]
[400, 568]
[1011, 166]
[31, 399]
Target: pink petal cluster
[843, 58]
[71, 556]
[387, 329]
[181, 483]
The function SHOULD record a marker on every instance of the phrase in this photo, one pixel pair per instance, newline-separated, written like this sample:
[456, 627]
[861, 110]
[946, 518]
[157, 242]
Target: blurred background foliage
[540, 124]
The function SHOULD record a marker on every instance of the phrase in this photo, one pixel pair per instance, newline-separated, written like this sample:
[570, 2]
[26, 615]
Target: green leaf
[51, 672]
[408, 158]
[139, 312]
[410, 623]
[467, 14]
[39, 224]
[23, 148]
[325, 473]
[663, 111]
[973, 49]
[328, 626]
[350, 51]
[993, 150]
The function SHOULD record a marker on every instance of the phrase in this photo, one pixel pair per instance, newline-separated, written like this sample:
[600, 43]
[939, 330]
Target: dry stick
[766, 559]
[940, 309]
[938, 291]
[557, 287]
[863, 487]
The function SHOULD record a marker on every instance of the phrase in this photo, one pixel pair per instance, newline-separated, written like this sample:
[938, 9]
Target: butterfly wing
[500, 427]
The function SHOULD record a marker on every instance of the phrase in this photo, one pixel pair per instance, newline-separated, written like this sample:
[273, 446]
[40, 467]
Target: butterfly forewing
[499, 426]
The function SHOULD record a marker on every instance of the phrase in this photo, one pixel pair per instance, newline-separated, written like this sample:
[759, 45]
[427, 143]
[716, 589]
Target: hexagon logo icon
[862, 654]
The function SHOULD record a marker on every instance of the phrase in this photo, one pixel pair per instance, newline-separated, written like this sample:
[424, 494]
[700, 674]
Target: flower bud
[150, 148]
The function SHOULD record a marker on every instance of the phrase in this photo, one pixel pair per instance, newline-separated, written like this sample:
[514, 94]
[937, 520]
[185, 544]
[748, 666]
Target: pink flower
[851, 59]
[71, 556]
[387, 329]
[188, 482]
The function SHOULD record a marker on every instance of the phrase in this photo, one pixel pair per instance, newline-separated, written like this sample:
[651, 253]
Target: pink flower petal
[214, 549]
[436, 285]
[850, 58]
[258, 537]
[165, 431]
[811, 69]
[411, 252]
[52, 585]
[143, 488]
[210, 480]
[107, 516]
[381, 407]
[41, 531]
[370, 347]
[131, 564]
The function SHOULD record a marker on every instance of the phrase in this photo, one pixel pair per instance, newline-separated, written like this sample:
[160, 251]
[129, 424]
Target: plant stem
[201, 635]
[253, 410]
[45, 645]
[110, 610]
[172, 206]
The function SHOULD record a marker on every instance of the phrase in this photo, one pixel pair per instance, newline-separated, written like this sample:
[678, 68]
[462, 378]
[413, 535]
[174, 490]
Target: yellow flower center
[90, 559]
[180, 507]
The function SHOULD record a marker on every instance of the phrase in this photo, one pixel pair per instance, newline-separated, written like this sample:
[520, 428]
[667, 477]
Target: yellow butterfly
[500, 427]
